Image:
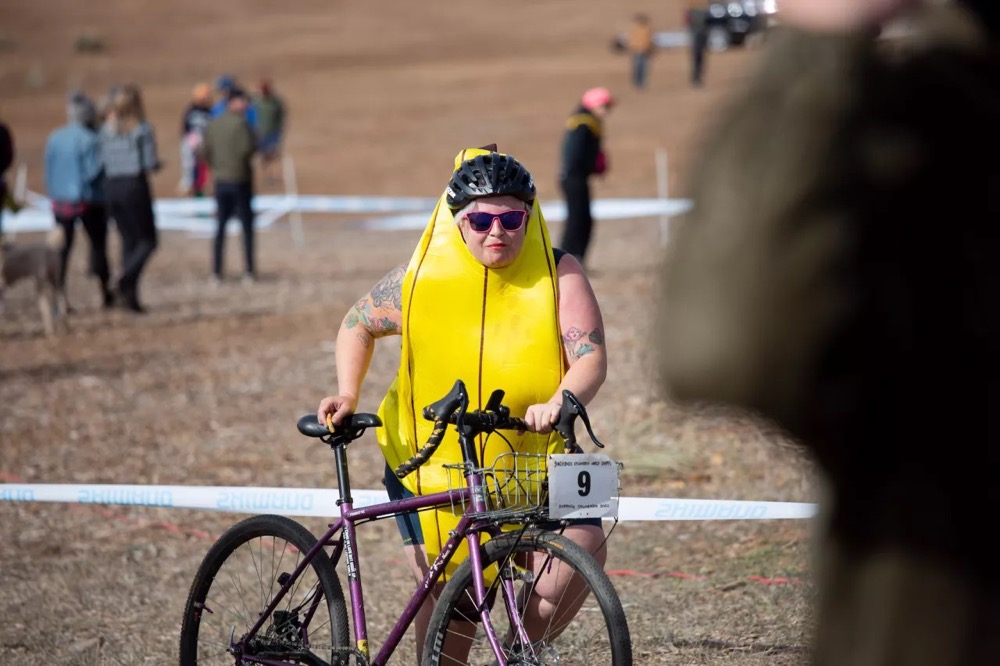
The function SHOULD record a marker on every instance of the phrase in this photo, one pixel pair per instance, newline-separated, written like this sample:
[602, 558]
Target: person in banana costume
[484, 298]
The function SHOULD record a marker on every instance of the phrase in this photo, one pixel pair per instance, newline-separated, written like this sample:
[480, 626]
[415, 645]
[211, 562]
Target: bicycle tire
[235, 583]
[597, 634]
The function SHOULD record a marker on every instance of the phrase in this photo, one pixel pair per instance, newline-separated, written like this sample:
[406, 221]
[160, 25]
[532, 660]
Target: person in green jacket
[228, 148]
[269, 110]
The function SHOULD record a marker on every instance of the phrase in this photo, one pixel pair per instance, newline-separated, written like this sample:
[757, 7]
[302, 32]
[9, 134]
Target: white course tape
[196, 216]
[555, 211]
[323, 502]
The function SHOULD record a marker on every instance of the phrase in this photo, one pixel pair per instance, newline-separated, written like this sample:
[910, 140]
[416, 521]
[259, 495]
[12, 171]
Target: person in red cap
[582, 156]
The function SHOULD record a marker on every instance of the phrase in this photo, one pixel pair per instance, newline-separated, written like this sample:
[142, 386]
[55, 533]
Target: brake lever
[463, 406]
[495, 401]
[581, 411]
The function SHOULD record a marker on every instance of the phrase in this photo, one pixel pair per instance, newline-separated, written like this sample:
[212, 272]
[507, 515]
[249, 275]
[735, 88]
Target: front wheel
[239, 578]
[550, 603]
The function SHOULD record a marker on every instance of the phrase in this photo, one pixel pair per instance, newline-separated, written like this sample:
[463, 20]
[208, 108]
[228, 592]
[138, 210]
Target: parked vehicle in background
[738, 22]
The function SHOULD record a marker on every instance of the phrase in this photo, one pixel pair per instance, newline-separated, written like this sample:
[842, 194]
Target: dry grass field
[206, 388]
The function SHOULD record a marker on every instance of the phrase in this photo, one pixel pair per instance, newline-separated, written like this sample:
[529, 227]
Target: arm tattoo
[365, 338]
[386, 295]
[389, 291]
[578, 343]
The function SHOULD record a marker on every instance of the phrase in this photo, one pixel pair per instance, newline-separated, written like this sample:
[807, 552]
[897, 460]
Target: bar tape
[323, 502]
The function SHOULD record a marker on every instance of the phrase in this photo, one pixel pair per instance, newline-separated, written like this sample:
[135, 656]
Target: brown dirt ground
[206, 388]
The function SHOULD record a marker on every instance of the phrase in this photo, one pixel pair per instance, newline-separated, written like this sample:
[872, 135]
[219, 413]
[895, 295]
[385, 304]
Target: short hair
[236, 93]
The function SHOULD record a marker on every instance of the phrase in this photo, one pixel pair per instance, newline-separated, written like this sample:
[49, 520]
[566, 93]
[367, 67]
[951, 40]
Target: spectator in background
[74, 181]
[269, 111]
[6, 160]
[104, 106]
[641, 46]
[697, 21]
[223, 85]
[194, 171]
[128, 150]
[228, 147]
[582, 157]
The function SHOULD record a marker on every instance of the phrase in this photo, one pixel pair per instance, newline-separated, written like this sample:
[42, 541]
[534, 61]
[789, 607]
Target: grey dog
[39, 261]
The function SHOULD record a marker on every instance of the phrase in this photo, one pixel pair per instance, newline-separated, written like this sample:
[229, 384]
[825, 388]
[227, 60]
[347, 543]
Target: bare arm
[378, 314]
[583, 344]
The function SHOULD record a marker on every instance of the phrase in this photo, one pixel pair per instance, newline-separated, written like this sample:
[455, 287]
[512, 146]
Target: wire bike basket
[514, 487]
[537, 487]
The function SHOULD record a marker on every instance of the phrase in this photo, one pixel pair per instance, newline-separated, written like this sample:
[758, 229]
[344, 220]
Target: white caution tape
[323, 503]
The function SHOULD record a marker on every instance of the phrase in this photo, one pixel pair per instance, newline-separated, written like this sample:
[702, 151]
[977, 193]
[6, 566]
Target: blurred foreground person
[74, 177]
[839, 275]
[582, 157]
[529, 306]
[129, 153]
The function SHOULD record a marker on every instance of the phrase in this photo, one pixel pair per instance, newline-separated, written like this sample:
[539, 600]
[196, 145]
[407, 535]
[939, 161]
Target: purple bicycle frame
[349, 516]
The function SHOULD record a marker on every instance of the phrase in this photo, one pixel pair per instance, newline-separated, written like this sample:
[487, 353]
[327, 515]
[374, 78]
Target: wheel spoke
[564, 605]
[264, 548]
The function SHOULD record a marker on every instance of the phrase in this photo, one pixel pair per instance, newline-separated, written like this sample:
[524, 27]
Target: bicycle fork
[507, 576]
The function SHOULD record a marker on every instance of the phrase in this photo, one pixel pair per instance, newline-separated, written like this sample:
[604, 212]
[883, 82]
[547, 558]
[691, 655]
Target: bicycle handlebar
[452, 408]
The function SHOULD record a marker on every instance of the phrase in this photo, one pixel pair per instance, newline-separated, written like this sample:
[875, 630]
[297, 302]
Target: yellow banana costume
[492, 328]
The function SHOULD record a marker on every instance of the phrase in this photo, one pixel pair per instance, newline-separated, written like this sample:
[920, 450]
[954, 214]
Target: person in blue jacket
[74, 180]
[223, 85]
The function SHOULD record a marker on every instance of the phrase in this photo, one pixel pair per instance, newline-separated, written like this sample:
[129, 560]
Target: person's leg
[244, 210]
[95, 223]
[414, 554]
[200, 177]
[225, 204]
[416, 559]
[138, 209]
[270, 156]
[639, 70]
[557, 595]
[115, 193]
[576, 236]
[574, 240]
[68, 225]
[698, 46]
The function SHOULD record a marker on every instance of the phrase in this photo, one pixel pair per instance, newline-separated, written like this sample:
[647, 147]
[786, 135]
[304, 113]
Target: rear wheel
[239, 578]
[564, 602]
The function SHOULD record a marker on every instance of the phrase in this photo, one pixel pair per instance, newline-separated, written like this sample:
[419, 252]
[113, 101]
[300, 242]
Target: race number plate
[582, 485]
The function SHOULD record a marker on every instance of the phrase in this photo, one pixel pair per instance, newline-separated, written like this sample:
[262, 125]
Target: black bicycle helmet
[494, 174]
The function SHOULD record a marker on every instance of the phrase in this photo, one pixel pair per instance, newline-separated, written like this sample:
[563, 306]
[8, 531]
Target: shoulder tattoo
[386, 295]
[579, 343]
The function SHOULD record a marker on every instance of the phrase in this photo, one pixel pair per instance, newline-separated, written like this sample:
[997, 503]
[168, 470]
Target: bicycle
[248, 605]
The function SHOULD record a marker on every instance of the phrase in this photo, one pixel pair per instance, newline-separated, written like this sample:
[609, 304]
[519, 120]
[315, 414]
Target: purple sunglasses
[510, 220]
